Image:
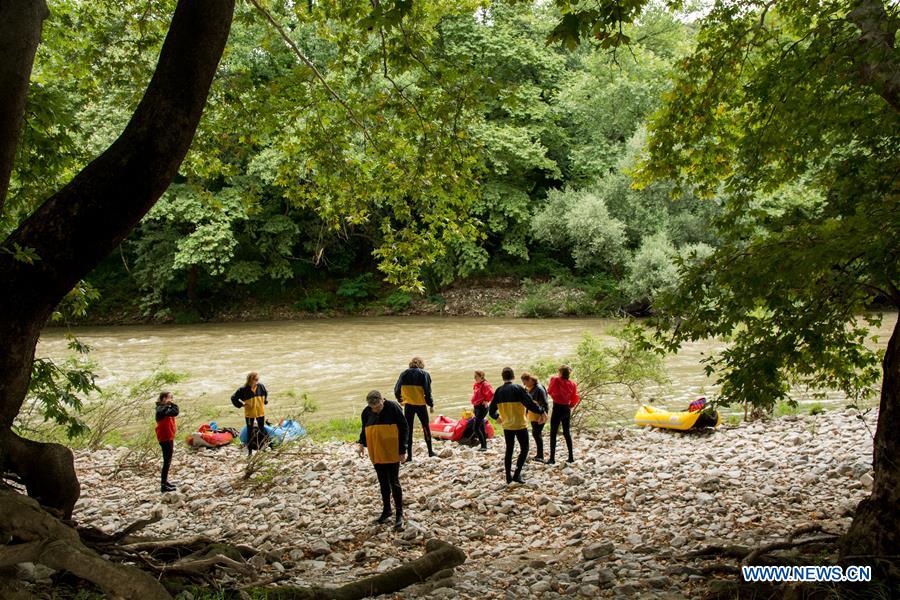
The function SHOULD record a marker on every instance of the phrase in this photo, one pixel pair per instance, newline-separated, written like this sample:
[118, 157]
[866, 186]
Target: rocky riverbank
[613, 524]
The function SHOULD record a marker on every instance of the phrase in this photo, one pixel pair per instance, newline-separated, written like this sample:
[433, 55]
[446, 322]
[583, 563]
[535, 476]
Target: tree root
[439, 556]
[37, 536]
[47, 540]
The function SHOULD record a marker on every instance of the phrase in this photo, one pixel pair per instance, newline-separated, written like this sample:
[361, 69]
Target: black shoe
[538, 459]
[518, 479]
[570, 460]
[483, 449]
[166, 487]
[431, 453]
[399, 523]
[552, 461]
[384, 518]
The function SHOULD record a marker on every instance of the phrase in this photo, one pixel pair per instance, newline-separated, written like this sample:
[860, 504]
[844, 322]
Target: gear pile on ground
[622, 520]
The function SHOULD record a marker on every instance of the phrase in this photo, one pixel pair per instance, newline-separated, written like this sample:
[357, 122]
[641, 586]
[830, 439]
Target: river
[337, 361]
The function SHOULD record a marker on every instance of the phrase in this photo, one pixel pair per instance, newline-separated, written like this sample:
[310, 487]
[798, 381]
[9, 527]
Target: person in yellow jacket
[413, 390]
[509, 405]
[384, 435]
[253, 397]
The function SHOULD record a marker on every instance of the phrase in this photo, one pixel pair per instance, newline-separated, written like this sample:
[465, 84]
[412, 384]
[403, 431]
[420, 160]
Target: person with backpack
[482, 394]
[564, 393]
[384, 435]
[509, 405]
[538, 393]
[166, 411]
[413, 390]
[252, 397]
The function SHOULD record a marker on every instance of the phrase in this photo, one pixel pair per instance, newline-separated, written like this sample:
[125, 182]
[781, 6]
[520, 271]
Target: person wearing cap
[413, 390]
[384, 434]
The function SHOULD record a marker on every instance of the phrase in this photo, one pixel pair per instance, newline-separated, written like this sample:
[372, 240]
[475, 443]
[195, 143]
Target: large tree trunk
[875, 531]
[81, 224]
[876, 61]
[20, 33]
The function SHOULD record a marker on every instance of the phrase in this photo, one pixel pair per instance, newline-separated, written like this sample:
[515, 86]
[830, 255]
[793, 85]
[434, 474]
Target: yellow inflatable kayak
[682, 421]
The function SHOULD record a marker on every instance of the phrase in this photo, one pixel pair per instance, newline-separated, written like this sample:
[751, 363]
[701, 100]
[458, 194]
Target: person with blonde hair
[413, 390]
[252, 397]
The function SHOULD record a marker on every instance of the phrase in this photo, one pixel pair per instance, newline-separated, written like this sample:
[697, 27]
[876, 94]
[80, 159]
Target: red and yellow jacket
[384, 433]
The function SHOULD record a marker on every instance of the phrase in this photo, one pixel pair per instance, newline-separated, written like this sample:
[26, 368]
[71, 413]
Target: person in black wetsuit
[509, 404]
[384, 434]
[539, 394]
[413, 390]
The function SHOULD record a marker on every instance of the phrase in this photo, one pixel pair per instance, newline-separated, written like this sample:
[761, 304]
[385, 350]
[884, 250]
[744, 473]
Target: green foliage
[357, 290]
[398, 301]
[803, 150]
[580, 221]
[315, 300]
[343, 429]
[57, 392]
[606, 370]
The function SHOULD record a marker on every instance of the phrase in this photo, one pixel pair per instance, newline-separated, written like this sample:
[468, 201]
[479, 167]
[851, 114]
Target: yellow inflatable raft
[682, 421]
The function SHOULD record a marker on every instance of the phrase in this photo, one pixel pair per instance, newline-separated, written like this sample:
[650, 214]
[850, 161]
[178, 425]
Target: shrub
[357, 290]
[398, 301]
[316, 300]
[606, 371]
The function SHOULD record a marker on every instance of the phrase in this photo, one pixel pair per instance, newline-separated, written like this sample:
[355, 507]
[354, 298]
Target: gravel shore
[613, 524]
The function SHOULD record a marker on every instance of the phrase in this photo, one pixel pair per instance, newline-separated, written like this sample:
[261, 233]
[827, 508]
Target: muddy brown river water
[336, 361]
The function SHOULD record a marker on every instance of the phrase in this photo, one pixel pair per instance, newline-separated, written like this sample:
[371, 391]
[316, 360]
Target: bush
[316, 300]
[357, 290]
[398, 301]
[652, 269]
[605, 371]
[543, 301]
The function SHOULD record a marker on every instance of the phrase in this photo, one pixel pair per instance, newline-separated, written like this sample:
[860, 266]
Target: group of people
[387, 428]
[387, 431]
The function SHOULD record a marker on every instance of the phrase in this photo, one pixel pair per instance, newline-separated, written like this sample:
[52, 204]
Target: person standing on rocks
[413, 390]
[166, 411]
[482, 394]
[509, 405]
[565, 397]
[252, 397]
[384, 434]
[539, 394]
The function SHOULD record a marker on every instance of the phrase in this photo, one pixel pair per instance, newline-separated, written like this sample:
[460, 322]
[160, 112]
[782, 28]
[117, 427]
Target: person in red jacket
[482, 394]
[564, 393]
[166, 411]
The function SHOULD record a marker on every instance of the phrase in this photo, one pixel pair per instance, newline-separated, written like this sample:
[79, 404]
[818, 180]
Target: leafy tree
[790, 112]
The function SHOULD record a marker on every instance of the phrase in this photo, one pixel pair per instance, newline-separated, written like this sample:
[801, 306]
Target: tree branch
[20, 34]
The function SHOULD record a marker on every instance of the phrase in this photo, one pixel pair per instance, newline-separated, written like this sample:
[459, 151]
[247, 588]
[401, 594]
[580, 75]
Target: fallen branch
[784, 545]
[92, 535]
[438, 557]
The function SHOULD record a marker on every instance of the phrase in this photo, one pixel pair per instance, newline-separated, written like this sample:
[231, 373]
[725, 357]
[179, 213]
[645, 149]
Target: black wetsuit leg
[168, 449]
[554, 429]
[480, 414]
[510, 439]
[537, 432]
[566, 421]
[411, 411]
[384, 483]
[522, 437]
[250, 422]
